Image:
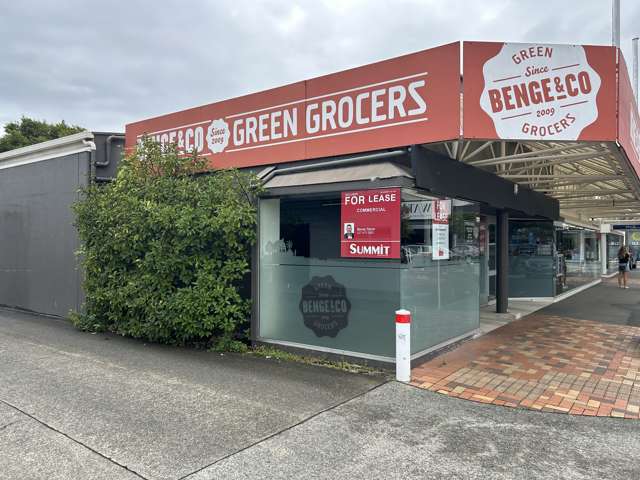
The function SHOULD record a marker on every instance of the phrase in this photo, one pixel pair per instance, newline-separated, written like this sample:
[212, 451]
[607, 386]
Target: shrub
[165, 249]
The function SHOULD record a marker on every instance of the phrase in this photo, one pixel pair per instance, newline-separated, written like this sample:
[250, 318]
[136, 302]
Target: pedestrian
[623, 266]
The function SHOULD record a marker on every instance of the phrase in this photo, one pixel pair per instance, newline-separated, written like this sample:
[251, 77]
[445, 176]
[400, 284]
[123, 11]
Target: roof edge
[58, 143]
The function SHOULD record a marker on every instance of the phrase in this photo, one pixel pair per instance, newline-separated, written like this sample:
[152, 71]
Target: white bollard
[403, 345]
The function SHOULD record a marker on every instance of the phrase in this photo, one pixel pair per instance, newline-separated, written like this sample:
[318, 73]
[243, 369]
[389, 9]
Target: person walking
[623, 266]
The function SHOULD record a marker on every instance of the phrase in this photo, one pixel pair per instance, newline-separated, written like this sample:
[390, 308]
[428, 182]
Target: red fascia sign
[628, 118]
[520, 91]
[370, 221]
[406, 100]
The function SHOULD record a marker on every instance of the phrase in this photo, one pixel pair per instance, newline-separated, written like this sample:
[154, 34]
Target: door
[491, 271]
[487, 258]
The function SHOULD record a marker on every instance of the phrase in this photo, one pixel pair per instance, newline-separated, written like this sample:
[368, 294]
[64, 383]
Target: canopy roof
[561, 119]
[593, 181]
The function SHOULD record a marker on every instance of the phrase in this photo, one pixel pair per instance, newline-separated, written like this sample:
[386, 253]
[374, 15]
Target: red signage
[440, 229]
[628, 119]
[549, 92]
[406, 100]
[370, 221]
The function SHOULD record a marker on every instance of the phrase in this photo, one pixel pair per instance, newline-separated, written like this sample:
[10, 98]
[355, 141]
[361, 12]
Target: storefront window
[591, 247]
[311, 296]
[592, 262]
[578, 258]
[614, 241]
[302, 277]
[569, 245]
[442, 293]
[531, 258]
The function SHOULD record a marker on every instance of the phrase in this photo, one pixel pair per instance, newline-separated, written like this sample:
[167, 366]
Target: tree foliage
[29, 132]
[165, 249]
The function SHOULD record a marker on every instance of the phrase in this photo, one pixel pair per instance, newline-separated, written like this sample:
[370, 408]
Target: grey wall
[107, 153]
[38, 267]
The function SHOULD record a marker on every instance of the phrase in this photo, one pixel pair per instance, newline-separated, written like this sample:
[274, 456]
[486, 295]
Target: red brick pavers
[547, 363]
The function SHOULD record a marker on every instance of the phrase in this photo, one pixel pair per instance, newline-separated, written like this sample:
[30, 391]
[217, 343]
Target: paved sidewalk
[75, 406]
[490, 320]
[550, 362]
[604, 303]
[80, 406]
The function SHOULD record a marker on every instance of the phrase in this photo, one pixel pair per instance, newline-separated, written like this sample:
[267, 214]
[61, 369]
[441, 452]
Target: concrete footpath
[81, 406]
[605, 303]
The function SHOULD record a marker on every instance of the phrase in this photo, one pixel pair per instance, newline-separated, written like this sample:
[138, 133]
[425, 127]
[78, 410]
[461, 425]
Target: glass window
[614, 241]
[442, 293]
[531, 258]
[569, 244]
[591, 247]
[311, 296]
[578, 257]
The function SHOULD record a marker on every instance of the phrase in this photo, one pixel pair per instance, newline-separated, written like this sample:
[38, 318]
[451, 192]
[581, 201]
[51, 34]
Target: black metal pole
[502, 262]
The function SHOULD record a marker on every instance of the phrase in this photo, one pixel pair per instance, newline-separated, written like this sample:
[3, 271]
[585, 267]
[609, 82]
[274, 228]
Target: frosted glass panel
[441, 294]
[311, 296]
[444, 301]
[331, 304]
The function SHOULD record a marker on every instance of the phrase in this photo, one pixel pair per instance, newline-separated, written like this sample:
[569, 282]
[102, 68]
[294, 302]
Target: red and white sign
[370, 221]
[440, 229]
[628, 119]
[407, 100]
[539, 91]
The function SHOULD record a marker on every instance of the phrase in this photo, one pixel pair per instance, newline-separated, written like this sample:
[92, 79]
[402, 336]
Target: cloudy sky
[104, 64]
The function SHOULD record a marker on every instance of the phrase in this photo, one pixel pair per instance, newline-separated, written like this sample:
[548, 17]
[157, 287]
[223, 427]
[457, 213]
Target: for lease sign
[370, 221]
[539, 91]
[440, 229]
[401, 101]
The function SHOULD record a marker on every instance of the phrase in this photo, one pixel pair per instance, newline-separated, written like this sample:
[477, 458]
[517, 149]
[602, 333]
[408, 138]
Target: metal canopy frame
[593, 181]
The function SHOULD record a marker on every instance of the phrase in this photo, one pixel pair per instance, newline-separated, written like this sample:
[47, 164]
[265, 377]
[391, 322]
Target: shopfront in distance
[372, 203]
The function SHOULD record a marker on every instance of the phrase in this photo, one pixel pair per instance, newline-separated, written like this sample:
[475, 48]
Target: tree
[29, 132]
[165, 249]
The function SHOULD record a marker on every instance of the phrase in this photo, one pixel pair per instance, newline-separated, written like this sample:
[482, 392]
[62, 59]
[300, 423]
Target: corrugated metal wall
[38, 267]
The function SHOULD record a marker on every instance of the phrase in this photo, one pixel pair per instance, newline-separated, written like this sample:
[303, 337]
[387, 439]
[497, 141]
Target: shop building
[384, 190]
[406, 183]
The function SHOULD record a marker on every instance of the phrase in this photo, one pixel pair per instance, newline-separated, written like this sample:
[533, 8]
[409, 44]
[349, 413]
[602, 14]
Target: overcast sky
[104, 64]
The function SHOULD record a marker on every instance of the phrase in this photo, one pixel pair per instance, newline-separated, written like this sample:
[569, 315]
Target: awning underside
[350, 173]
[593, 182]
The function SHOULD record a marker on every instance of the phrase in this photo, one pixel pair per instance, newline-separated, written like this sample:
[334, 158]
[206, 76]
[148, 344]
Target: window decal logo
[324, 306]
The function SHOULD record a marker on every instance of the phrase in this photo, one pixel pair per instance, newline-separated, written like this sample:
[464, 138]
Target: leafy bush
[165, 250]
[28, 131]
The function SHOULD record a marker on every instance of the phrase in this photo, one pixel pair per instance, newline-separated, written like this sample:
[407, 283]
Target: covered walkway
[580, 356]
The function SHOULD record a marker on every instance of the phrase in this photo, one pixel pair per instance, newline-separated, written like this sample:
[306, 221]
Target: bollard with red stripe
[403, 345]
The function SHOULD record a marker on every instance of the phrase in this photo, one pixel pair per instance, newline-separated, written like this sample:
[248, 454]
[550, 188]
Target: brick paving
[547, 363]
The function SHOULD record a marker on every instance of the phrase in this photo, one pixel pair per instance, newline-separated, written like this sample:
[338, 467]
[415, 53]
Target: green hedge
[165, 250]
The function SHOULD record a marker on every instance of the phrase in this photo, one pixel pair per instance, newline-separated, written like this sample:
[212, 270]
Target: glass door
[491, 273]
[487, 256]
[483, 245]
